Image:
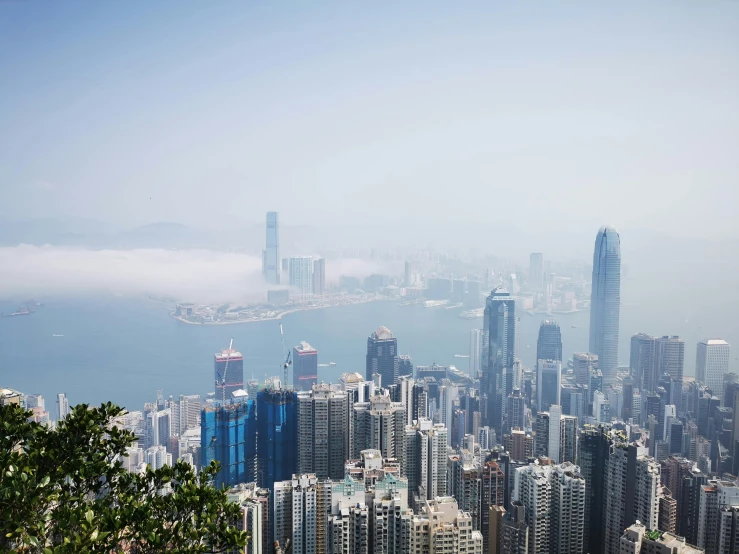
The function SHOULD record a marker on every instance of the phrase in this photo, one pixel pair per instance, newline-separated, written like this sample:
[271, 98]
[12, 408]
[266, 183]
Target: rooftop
[382, 333]
[715, 342]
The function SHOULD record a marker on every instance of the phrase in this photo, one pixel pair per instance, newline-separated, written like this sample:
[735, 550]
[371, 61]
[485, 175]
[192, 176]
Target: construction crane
[285, 356]
[222, 378]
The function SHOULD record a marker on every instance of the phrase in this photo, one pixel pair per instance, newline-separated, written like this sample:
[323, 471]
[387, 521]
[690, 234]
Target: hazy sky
[567, 114]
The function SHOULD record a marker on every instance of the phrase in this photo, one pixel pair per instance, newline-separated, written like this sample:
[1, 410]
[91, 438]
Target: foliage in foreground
[65, 490]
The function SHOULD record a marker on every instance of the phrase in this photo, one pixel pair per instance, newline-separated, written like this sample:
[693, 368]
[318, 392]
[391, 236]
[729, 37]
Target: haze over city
[369, 278]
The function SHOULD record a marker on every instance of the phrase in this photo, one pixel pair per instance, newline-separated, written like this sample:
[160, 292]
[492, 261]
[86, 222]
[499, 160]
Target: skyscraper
[475, 352]
[271, 256]
[425, 460]
[548, 383]
[305, 368]
[319, 276]
[62, 406]
[605, 301]
[583, 364]
[549, 344]
[498, 353]
[228, 365]
[228, 434]
[536, 271]
[651, 357]
[595, 446]
[379, 425]
[711, 362]
[277, 436]
[301, 275]
[323, 431]
[382, 356]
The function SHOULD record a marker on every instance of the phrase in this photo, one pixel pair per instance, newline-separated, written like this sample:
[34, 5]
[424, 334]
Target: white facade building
[712, 361]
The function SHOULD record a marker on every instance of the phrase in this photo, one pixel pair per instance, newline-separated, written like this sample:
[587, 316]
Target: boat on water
[573, 326]
[472, 314]
[461, 355]
[57, 335]
[332, 364]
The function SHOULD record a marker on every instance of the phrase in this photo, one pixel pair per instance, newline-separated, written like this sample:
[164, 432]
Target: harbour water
[123, 349]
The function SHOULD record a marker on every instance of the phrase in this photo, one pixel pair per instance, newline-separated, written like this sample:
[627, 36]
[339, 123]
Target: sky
[554, 115]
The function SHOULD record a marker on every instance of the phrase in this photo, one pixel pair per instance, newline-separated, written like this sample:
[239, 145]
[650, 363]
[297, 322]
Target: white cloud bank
[195, 275]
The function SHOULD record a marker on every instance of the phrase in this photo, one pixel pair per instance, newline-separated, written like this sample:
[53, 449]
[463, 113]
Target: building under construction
[228, 434]
[305, 367]
[228, 368]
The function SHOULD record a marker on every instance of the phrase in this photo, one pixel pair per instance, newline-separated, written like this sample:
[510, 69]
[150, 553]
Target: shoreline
[277, 317]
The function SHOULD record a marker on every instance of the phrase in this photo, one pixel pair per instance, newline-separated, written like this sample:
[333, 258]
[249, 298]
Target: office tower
[271, 255]
[641, 361]
[548, 383]
[491, 543]
[593, 457]
[420, 401]
[277, 436]
[305, 367]
[549, 343]
[405, 365]
[228, 435]
[605, 301]
[324, 417]
[62, 406]
[382, 356]
[255, 515]
[228, 366]
[425, 460]
[514, 533]
[536, 271]
[448, 398]
[670, 357]
[475, 352]
[554, 501]
[584, 363]
[355, 384]
[601, 407]
[498, 353]
[301, 275]
[465, 484]
[711, 363]
[516, 411]
[319, 276]
[379, 425]
[35, 401]
[441, 526]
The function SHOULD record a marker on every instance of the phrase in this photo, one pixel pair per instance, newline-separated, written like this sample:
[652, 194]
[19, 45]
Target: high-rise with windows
[498, 354]
[605, 302]
[319, 276]
[382, 356]
[549, 343]
[323, 431]
[425, 460]
[271, 254]
[548, 383]
[228, 370]
[305, 367]
[536, 271]
[379, 424]
[711, 363]
[301, 275]
[475, 352]
[62, 406]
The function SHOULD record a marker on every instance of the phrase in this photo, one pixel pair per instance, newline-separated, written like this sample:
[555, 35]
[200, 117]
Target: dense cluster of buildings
[571, 456]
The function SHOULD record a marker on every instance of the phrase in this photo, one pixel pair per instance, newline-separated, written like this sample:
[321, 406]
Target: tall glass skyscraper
[549, 344]
[605, 302]
[498, 352]
[271, 255]
[382, 357]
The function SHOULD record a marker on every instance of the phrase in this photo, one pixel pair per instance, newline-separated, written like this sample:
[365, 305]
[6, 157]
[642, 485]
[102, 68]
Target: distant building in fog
[301, 275]
[271, 254]
[319, 276]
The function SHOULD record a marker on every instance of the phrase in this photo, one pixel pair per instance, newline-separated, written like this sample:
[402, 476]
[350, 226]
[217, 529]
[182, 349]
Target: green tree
[65, 490]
